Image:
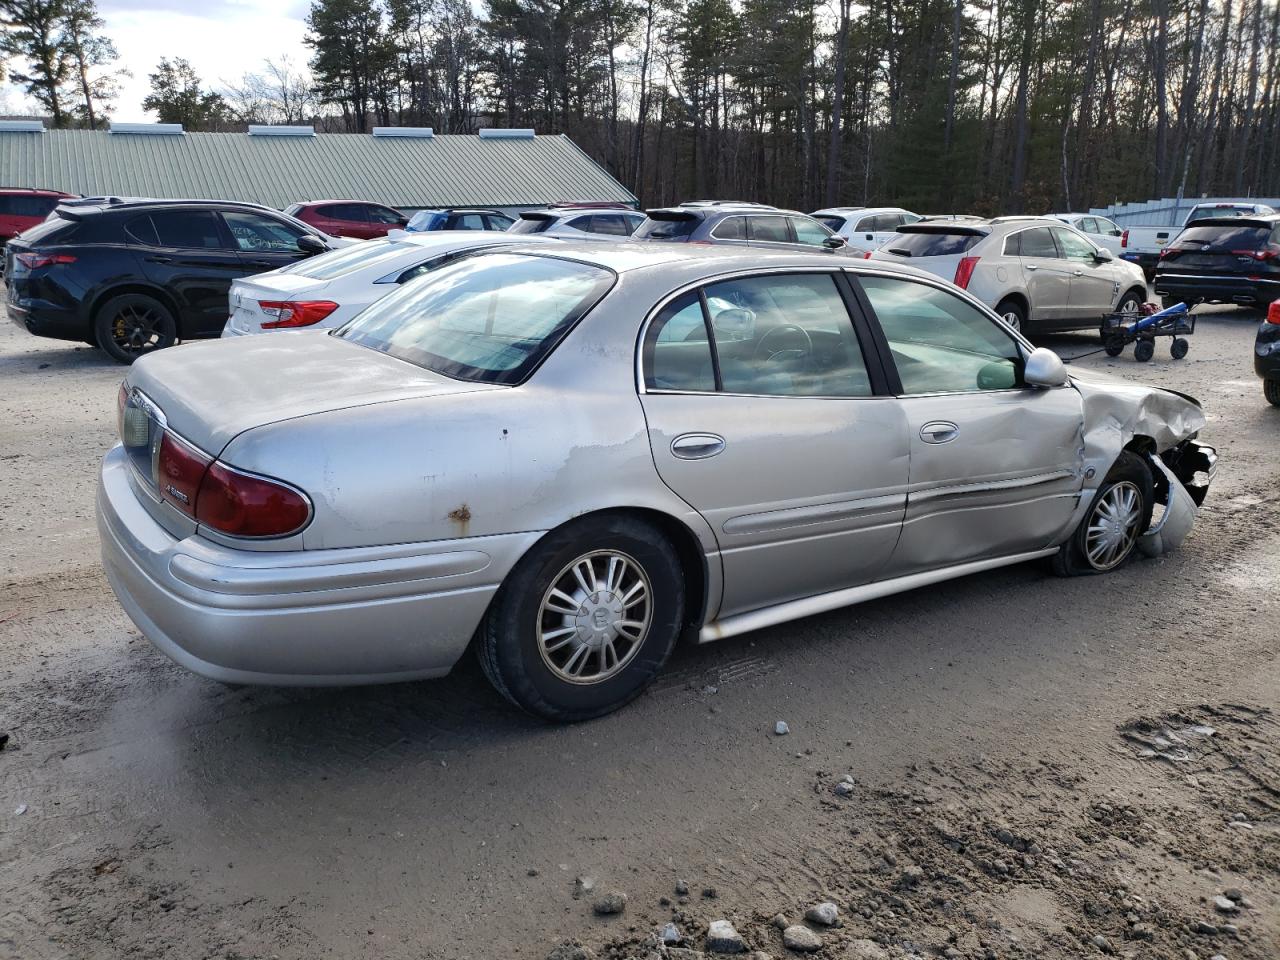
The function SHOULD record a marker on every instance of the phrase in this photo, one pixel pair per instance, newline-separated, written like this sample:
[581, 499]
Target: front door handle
[696, 446]
[160, 259]
[1078, 273]
[1031, 266]
[939, 431]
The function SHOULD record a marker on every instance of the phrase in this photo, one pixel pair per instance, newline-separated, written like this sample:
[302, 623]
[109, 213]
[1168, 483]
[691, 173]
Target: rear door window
[190, 229]
[384, 215]
[1038, 243]
[677, 351]
[352, 212]
[466, 221]
[932, 244]
[769, 229]
[497, 221]
[610, 224]
[731, 228]
[679, 228]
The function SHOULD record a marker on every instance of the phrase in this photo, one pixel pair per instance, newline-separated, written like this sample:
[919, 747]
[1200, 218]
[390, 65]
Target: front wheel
[1118, 515]
[585, 620]
[133, 324]
[1131, 303]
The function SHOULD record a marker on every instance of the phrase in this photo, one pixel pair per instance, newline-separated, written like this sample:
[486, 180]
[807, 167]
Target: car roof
[1257, 220]
[82, 205]
[35, 191]
[860, 211]
[709, 260]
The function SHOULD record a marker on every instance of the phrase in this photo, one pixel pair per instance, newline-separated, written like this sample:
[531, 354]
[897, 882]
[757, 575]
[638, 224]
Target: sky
[222, 39]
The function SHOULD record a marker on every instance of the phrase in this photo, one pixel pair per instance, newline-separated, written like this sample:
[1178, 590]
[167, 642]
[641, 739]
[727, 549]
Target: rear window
[491, 319]
[345, 260]
[1243, 237]
[26, 205]
[932, 244]
[1206, 210]
[55, 230]
[831, 223]
[532, 225]
[680, 229]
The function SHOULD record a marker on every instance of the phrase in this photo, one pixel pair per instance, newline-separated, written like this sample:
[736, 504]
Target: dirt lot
[1040, 768]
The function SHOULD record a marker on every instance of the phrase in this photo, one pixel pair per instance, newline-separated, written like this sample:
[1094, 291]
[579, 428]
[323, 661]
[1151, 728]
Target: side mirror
[311, 245]
[1102, 256]
[1044, 368]
[834, 243]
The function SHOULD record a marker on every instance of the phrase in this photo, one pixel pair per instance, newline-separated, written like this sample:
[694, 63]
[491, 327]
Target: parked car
[349, 218]
[1266, 354]
[364, 505]
[1142, 243]
[752, 224]
[1100, 231]
[580, 221]
[133, 276]
[21, 209]
[330, 289]
[1038, 274]
[1222, 260]
[865, 228]
[459, 218]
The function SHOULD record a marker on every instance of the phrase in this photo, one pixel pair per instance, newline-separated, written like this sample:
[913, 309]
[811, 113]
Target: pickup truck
[1142, 243]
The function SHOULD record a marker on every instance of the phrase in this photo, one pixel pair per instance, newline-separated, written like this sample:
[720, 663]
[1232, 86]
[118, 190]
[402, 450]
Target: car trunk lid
[209, 393]
[248, 294]
[1222, 246]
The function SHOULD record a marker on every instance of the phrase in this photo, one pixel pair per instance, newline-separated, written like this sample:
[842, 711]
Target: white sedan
[330, 289]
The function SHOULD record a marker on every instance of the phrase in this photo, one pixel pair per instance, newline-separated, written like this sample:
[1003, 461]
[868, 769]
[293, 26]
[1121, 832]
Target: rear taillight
[1262, 256]
[1273, 312]
[242, 505]
[1124, 239]
[1167, 252]
[964, 271]
[295, 313]
[867, 255]
[180, 469]
[34, 261]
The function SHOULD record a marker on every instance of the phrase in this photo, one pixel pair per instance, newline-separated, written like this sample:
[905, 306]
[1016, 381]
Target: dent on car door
[190, 255]
[763, 416]
[995, 465]
[1094, 290]
[1046, 275]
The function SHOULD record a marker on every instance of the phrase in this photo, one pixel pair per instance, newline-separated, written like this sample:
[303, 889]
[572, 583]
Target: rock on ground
[723, 938]
[570, 950]
[613, 902]
[825, 913]
[801, 939]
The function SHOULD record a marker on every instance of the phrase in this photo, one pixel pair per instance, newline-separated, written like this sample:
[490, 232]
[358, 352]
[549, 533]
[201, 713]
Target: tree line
[941, 106]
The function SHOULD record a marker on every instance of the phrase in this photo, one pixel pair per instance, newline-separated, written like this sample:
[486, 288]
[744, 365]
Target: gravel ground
[1008, 765]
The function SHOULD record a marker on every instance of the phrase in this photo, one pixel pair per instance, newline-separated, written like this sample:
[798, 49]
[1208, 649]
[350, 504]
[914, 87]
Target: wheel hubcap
[594, 617]
[1113, 526]
[1013, 320]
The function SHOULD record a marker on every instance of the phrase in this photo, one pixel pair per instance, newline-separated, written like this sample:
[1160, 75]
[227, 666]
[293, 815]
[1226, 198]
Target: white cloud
[222, 39]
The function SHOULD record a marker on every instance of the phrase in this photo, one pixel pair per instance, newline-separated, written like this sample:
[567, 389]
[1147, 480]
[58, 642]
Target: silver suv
[580, 221]
[1038, 274]
[748, 224]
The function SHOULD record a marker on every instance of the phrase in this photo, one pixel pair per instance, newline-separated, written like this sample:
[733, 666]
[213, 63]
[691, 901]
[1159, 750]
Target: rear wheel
[586, 619]
[1271, 390]
[1014, 314]
[133, 324]
[1118, 515]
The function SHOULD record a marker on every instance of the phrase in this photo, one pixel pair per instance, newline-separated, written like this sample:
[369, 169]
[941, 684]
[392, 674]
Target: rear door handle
[1078, 273]
[1031, 266]
[160, 259]
[939, 431]
[697, 446]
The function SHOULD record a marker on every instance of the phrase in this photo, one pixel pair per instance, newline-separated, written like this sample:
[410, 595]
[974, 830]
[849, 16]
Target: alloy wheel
[1113, 526]
[136, 329]
[1011, 318]
[594, 617]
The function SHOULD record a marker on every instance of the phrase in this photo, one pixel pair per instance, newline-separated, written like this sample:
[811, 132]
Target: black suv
[1222, 260]
[132, 276]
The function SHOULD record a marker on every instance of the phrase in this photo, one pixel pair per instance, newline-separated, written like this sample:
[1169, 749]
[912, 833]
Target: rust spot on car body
[461, 515]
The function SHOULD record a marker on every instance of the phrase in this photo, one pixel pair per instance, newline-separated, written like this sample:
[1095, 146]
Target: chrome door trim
[939, 431]
[808, 606]
[697, 446]
[772, 520]
[1013, 483]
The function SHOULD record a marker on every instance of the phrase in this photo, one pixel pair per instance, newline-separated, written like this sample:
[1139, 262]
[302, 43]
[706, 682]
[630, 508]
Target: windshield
[679, 229]
[345, 260]
[531, 225]
[490, 319]
[931, 244]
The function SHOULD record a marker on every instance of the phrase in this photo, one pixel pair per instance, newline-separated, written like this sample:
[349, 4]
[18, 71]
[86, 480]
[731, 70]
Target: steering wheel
[787, 354]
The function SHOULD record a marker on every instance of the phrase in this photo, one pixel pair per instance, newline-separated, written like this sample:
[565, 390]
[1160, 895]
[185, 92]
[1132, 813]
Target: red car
[349, 218]
[22, 208]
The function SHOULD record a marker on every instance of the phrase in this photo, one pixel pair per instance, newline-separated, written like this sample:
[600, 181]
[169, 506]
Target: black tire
[1132, 302]
[1178, 349]
[1114, 347]
[510, 640]
[1073, 559]
[1271, 390]
[132, 325]
[1144, 350]
[1014, 314]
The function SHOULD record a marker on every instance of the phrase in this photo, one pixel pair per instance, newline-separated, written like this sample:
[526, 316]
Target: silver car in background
[570, 457]
[1037, 273]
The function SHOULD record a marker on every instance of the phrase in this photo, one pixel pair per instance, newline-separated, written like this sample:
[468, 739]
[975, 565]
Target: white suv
[580, 221]
[1037, 273]
[1100, 230]
[865, 228]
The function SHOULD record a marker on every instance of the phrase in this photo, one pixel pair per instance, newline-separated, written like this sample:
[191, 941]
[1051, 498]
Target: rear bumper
[47, 320]
[1216, 289]
[314, 618]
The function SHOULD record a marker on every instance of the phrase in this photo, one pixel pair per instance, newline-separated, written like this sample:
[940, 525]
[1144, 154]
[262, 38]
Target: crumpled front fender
[1179, 515]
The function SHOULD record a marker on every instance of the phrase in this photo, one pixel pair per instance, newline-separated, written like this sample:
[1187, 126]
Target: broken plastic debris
[22, 808]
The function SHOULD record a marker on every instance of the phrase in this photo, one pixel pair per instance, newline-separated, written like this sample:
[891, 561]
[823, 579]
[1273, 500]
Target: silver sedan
[571, 460]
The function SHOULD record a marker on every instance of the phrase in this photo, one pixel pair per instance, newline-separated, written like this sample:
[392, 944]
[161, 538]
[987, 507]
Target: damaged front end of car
[1160, 425]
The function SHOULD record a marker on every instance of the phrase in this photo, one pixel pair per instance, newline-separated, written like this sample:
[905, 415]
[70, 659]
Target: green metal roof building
[406, 167]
